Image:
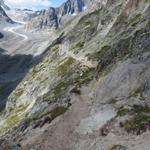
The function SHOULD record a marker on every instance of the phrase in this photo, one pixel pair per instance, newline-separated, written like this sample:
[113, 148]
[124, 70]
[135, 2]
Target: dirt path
[61, 135]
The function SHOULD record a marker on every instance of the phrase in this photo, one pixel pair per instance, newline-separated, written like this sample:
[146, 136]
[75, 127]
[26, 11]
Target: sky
[33, 4]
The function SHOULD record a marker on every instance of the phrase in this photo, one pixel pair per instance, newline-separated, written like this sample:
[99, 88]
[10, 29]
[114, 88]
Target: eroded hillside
[90, 89]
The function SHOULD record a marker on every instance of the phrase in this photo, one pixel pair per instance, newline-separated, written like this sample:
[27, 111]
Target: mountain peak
[53, 18]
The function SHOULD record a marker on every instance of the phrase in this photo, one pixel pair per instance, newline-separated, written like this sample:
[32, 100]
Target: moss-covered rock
[122, 111]
[118, 147]
[66, 67]
[58, 111]
[134, 20]
[13, 119]
[140, 120]
[138, 124]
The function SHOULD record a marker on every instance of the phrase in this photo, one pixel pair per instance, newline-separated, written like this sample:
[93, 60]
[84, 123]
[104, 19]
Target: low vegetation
[79, 45]
[138, 124]
[118, 147]
[98, 55]
[140, 120]
[13, 119]
[87, 24]
[134, 21]
[58, 111]
[19, 92]
[122, 111]
[66, 67]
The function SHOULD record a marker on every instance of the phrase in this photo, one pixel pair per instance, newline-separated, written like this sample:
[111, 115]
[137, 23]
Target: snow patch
[74, 14]
[84, 8]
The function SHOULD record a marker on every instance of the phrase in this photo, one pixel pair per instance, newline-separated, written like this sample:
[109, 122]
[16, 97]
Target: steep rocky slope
[10, 15]
[91, 88]
[3, 17]
[4, 5]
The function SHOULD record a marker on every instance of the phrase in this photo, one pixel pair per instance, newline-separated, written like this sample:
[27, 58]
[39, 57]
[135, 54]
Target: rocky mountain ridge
[90, 88]
[53, 18]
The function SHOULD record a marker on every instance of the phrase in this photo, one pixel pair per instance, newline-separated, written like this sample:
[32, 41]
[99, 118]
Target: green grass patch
[35, 71]
[138, 124]
[98, 55]
[118, 147]
[19, 92]
[135, 93]
[44, 80]
[13, 119]
[122, 111]
[86, 77]
[141, 109]
[134, 21]
[140, 121]
[79, 45]
[58, 111]
[87, 24]
[66, 67]
[61, 86]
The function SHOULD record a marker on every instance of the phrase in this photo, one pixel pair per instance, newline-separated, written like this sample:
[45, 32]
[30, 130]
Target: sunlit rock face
[54, 18]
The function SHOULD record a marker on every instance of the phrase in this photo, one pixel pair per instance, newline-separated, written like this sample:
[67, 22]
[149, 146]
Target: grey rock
[4, 17]
[54, 18]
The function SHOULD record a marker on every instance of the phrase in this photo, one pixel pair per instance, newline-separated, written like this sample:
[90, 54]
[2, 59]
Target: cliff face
[53, 18]
[1, 35]
[4, 17]
[91, 88]
[4, 5]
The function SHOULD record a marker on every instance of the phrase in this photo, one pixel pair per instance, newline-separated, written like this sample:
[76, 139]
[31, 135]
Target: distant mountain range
[15, 15]
[53, 18]
[22, 15]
